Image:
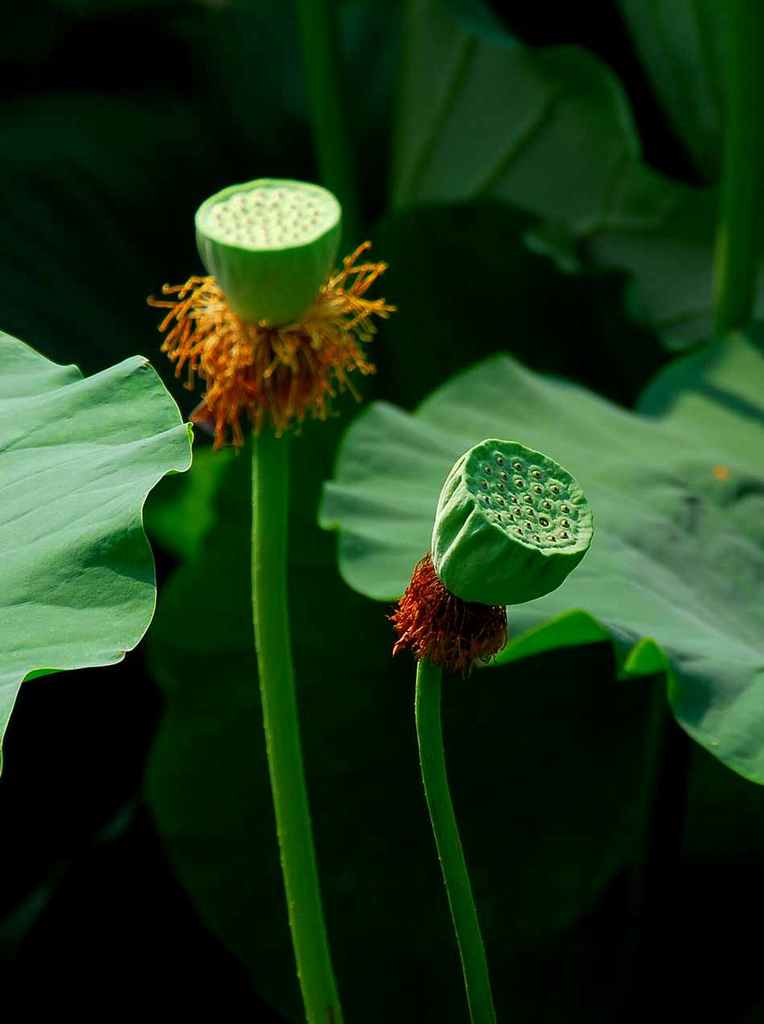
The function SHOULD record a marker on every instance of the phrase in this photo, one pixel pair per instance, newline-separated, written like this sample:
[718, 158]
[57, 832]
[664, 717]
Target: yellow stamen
[275, 375]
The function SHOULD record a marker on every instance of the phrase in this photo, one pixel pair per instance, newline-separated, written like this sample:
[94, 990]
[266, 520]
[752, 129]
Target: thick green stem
[738, 240]
[323, 81]
[466, 925]
[270, 483]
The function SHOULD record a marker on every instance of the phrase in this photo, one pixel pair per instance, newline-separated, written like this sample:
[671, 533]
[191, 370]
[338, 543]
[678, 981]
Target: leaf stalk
[739, 228]
[321, 57]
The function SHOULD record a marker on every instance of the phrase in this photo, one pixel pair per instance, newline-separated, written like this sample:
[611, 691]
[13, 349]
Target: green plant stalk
[270, 486]
[740, 216]
[317, 20]
[463, 912]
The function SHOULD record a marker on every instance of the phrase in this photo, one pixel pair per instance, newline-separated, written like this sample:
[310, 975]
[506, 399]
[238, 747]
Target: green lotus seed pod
[271, 245]
[511, 524]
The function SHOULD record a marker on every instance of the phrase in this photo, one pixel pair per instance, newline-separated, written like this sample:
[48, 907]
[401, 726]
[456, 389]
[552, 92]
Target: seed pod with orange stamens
[272, 333]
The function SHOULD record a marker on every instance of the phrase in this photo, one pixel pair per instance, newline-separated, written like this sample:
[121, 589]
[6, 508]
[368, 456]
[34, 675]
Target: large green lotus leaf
[77, 460]
[550, 131]
[680, 42]
[678, 496]
[544, 827]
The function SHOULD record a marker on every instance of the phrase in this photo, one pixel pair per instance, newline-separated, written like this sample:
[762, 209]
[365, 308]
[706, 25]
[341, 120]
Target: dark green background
[116, 119]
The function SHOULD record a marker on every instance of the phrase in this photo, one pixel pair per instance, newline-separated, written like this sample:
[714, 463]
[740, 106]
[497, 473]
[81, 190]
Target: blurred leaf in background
[680, 43]
[105, 158]
[550, 131]
[679, 507]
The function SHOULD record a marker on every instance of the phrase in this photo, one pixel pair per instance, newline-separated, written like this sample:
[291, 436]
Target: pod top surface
[268, 214]
[528, 496]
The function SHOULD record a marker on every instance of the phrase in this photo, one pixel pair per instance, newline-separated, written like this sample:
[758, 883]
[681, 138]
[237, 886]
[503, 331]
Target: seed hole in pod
[547, 505]
[488, 470]
[484, 484]
[563, 535]
[543, 520]
[528, 499]
[518, 533]
[554, 489]
[535, 474]
[519, 483]
[564, 522]
[538, 488]
[499, 460]
[501, 501]
[536, 538]
[564, 509]
[503, 475]
[513, 499]
[517, 466]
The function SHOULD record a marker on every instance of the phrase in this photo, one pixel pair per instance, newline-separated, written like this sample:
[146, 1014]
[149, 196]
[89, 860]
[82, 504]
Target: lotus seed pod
[511, 524]
[270, 244]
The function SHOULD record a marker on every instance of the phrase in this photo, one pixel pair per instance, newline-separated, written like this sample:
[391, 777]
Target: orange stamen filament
[276, 376]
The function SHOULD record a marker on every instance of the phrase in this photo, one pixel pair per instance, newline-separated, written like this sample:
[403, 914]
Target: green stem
[270, 484]
[323, 80]
[740, 216]
[463, 912]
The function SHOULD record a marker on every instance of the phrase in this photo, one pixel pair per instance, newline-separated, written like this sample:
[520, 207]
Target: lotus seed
[255, 218]
[518, 500]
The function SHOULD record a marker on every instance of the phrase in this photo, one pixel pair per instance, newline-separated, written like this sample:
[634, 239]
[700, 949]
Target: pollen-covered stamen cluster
[276, 376]
[435, 624]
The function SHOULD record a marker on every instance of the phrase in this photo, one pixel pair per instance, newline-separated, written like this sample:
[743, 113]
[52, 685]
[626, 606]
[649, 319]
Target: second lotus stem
[457, 881]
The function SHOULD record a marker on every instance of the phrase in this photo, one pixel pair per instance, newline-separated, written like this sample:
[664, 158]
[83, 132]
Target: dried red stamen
[433, 623]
